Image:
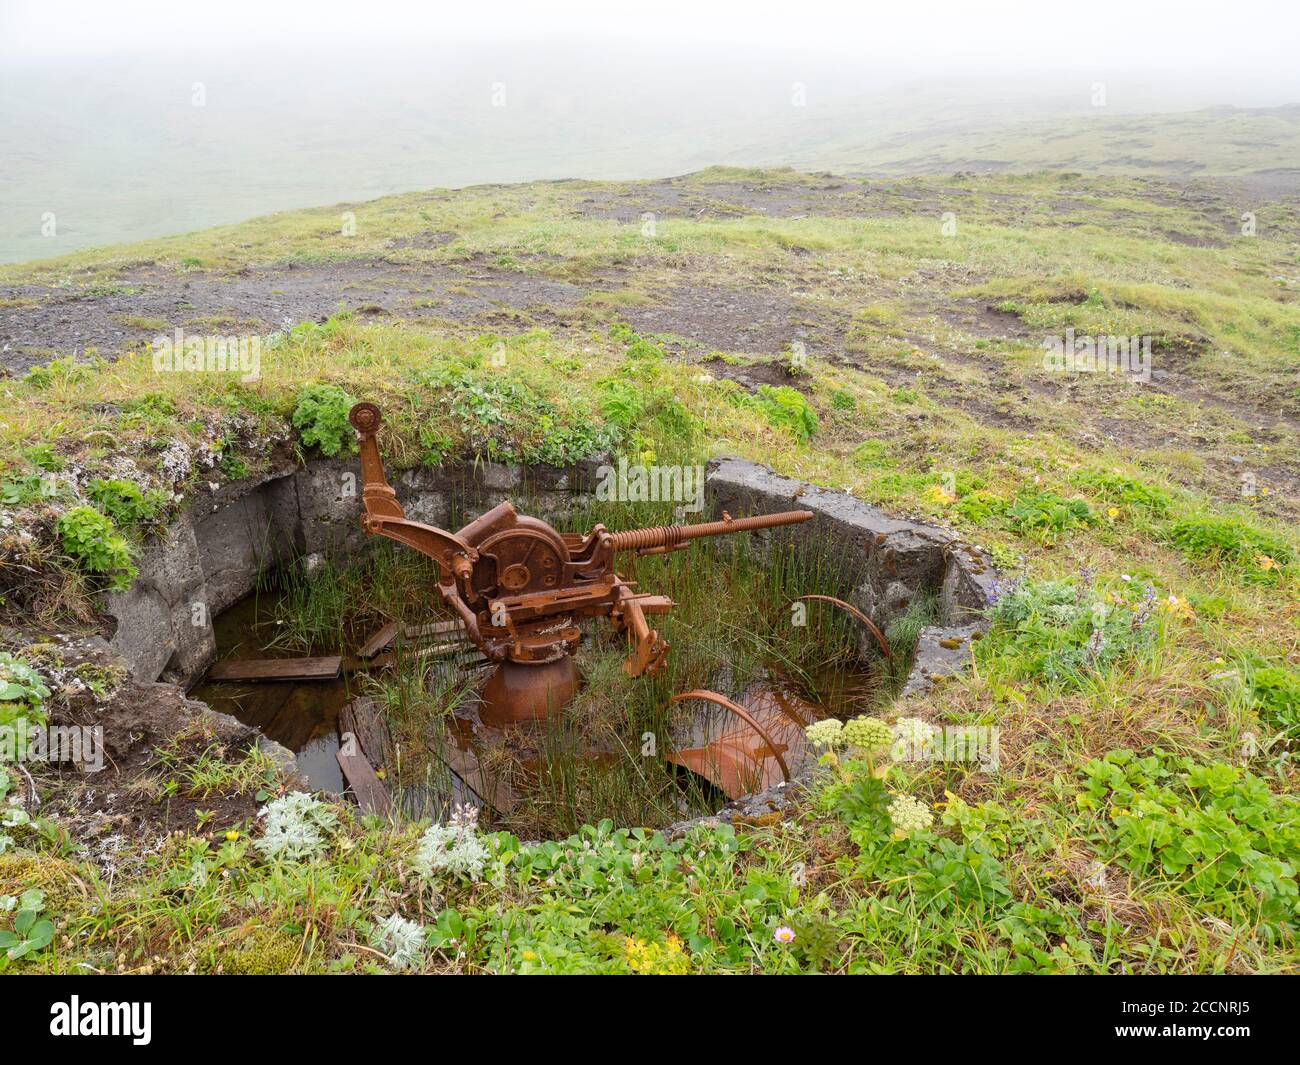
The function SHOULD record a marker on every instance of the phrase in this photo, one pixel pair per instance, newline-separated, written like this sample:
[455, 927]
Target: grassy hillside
[884, 336]
[105, 150]
[1260, 146]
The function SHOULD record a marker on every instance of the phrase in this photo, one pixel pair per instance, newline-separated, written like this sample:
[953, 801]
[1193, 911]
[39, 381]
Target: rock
[886, 561]
[941, 652]
[139, 718]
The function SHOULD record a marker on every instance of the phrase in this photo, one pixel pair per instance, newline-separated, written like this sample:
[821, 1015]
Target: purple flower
[1143, 613]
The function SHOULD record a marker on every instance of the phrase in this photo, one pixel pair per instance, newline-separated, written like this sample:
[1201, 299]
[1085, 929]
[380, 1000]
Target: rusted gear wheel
[365, 417]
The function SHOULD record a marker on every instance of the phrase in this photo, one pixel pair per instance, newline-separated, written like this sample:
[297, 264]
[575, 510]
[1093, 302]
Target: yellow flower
[529, 956]
[654, 958]
[1266, 562]
[1112, 512]
[233, 835]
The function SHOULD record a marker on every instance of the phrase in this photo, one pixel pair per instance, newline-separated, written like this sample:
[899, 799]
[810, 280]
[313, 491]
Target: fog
[130, 120]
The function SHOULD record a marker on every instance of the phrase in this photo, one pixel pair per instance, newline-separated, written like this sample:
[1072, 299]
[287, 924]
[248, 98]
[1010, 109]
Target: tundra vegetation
[1141, 661]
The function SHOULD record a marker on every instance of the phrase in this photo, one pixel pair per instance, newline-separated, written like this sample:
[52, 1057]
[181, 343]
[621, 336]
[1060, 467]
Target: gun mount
[521, 589]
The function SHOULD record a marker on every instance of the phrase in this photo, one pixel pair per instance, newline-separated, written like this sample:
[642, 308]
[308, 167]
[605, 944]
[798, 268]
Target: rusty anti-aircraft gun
[520, 588]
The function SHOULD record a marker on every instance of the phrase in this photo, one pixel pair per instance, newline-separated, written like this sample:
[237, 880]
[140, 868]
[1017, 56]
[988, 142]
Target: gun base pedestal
[517, 693]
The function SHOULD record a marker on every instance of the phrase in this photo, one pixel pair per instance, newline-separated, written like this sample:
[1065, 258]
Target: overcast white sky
[910, 36]
[319, 101]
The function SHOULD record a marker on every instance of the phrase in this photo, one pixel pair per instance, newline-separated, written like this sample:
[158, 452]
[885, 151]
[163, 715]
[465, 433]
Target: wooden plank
[367, 788]
[381, 639]
[441, 650]
[433, 628]
[460, 651]
[465, 766]
[326, 668]
[363, 719]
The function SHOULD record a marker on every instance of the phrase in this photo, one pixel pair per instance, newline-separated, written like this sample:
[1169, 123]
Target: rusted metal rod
[851, 609]
[671, 535]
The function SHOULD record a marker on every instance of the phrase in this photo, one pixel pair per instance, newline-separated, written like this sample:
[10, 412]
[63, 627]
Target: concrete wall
[210, 557]
[884, 562]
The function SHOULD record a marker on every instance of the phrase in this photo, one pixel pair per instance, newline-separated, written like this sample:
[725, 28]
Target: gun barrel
[669, 536]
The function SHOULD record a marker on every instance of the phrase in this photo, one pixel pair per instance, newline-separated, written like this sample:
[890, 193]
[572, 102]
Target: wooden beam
[363, 719]
[433, 628]
[367, 788]
[381, 639]
[277, 669]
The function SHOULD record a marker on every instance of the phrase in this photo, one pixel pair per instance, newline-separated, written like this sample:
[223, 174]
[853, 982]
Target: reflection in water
[491, 768]
[300, 715]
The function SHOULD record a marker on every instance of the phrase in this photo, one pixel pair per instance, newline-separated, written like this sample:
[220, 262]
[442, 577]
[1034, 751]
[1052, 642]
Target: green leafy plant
[321, 416]
[22, 691]
[1255, 555]
[622, 403]
[31, 932]
[125, 502]
[1046, 515]
[297, 827]
[92, 540]
[786, 408]
[233, 464]
[32, 488]
[637, 346]
[981, 506]
[44, 457]
[1214, 829]
[1120, 490]
[57, 371]
[1065, 634]
[1275, 691]
[152, 406]
[858, 792]
[506, 418]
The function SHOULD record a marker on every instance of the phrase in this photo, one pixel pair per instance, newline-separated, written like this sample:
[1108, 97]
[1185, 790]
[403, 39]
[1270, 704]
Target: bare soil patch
[45, 323]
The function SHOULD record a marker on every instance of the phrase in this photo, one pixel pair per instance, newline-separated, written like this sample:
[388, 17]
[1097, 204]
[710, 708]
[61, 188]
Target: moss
[55, 877]
[255, 951]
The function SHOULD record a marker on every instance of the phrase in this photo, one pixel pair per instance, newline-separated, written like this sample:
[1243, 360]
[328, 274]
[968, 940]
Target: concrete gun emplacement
[520, 588]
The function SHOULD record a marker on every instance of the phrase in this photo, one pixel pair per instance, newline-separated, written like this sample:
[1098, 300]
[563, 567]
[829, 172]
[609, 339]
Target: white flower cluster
[402, 941]
[826, 733]
[914, 739]
[868, 734]
[454, 848]
[297, 827]
[909, 815]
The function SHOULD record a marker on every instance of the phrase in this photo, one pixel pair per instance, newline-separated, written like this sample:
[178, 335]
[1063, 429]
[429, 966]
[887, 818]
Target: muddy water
[301, 715]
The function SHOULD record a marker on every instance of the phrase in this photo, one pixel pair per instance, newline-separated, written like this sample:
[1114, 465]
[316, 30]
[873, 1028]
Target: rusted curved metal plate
[850, 608]
[748, 754]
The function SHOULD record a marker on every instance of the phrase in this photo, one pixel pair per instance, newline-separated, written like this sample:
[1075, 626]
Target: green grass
[1140, 820]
